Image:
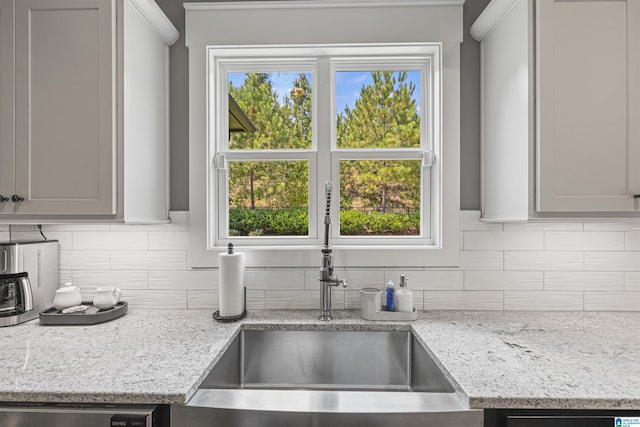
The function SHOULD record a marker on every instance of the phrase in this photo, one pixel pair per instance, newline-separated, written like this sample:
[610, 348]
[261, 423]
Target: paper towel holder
[229, 319]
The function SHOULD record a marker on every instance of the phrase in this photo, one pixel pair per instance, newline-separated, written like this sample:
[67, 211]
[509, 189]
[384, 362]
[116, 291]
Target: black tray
[56, 317]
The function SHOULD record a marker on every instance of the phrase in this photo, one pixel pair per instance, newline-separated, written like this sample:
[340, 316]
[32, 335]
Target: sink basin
[325, 378]
[327, 360]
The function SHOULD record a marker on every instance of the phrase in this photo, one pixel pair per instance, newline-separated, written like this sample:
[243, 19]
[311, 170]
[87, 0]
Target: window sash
[426, 197]
[223, 201]
[227, 65]
[397, 63]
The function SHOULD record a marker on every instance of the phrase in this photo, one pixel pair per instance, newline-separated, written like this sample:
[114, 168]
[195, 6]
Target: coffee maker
[28, 279]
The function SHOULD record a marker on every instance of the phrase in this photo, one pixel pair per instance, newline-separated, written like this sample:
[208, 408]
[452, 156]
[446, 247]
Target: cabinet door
[6, 103]
[65, 102]
[588, 134]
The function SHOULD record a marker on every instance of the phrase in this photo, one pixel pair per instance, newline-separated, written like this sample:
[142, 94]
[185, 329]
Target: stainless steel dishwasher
[81, 415]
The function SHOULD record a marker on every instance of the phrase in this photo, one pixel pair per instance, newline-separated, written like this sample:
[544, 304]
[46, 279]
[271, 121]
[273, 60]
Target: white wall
[537, 266]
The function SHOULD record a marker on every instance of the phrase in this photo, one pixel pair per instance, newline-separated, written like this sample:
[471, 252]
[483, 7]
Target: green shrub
[352, 222]
[356, 223]
[295, 222]
[267, 222]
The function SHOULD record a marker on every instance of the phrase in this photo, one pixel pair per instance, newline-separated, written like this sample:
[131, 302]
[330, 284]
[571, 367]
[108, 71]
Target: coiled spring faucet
[327, 279]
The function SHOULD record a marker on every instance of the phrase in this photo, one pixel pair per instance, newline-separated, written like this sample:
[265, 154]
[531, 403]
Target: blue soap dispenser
[391, 296]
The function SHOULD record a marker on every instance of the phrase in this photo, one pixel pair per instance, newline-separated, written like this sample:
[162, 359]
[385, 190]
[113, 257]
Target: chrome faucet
[327, 278]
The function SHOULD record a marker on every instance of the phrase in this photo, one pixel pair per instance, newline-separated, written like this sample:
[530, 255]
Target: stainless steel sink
[325, 378]
[327, 360]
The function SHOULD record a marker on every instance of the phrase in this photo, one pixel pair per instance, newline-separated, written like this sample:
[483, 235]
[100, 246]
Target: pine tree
[300, 111]
[280, 124]
[258, 100]
[384, 116]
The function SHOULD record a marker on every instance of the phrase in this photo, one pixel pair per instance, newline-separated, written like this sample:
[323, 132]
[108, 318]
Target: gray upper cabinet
[560, 108]
[65, 133]
[88, 143]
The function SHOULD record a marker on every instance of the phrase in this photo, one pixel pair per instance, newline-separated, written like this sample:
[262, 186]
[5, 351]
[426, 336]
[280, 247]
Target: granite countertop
[495, 359]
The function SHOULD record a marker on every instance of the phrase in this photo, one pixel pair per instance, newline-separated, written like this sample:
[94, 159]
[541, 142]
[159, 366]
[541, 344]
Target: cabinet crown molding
[316, 4]
[491, 17]
[157, 20]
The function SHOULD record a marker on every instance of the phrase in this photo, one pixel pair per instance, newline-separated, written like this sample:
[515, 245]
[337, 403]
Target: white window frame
[418, 22]
[323, 157]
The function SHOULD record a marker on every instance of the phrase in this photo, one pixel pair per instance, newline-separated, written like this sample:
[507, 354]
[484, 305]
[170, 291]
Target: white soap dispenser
[404, 297]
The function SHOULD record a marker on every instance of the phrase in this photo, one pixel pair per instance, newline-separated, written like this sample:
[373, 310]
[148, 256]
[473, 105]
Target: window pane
[278, 105]
[268, 198]
[380, 197]
[378, 109]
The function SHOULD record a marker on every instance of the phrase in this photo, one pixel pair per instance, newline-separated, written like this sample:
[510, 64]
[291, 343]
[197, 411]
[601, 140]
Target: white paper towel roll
[231, 273]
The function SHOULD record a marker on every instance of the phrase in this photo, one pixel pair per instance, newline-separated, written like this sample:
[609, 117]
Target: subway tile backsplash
[593, 266]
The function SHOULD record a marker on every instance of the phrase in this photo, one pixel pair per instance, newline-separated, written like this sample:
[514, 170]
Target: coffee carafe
[28, 279]
[15, 294]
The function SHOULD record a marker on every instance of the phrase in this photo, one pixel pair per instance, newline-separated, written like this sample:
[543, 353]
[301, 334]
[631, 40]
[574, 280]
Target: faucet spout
[327, 278]
[328, 189]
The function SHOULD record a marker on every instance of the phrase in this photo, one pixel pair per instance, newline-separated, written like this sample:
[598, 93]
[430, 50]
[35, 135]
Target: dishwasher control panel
[132, 421]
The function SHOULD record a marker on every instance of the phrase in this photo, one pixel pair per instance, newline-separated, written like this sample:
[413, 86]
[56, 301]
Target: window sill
[344, 256]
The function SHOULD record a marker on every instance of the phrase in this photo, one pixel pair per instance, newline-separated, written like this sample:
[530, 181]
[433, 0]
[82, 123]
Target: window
[380, 120]
[369, 134]
[383, 129]
[263, 191]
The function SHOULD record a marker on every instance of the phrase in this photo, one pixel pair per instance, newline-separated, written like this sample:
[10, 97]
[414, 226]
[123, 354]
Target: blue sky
[348, 85]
